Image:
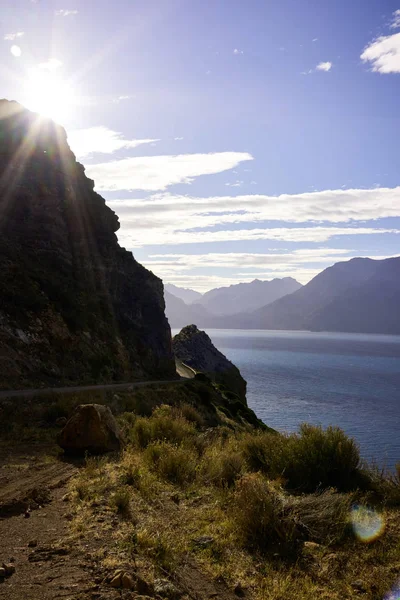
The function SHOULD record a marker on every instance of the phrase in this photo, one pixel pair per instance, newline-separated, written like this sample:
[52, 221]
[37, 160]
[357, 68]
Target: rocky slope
[194, 348]
[74, 305]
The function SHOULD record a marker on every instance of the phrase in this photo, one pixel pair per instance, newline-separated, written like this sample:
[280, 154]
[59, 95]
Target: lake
[349, 380]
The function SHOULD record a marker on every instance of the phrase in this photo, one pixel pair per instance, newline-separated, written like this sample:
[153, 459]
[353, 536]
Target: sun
[50, 95]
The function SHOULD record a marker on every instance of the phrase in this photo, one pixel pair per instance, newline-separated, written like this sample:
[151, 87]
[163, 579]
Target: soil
[34, 530]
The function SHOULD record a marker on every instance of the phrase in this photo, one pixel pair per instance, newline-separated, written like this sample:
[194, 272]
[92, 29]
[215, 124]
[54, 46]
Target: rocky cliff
[194, 348]
[75, 307]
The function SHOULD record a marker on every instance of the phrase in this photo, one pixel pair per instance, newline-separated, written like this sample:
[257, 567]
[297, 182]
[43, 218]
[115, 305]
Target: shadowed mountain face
[361, 295]
[247, 297]
[74, 305]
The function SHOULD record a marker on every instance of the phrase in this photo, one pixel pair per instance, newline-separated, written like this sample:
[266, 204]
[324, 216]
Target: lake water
[349, 380]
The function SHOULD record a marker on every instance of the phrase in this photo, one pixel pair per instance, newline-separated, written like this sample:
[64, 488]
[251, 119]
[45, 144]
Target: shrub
[265, 452]
[321, 459]
[130, 473]
[257, 512]
[322, 518]
[224, 466]
[385, 485]
[119, 500]
[191, 414]
[314, 459]
[163, 425]
[174, 463]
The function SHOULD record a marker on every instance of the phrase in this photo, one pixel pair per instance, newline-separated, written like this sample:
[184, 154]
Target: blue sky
[234, 139]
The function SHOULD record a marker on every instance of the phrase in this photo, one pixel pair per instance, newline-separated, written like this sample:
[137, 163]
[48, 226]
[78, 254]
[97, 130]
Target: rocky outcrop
[74, 305]
[195, 349]
[92, 428]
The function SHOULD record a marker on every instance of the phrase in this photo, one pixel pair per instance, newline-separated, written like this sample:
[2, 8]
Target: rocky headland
[75, 307]
[195, 349]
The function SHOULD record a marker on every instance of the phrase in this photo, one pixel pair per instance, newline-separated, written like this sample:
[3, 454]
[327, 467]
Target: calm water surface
[349, 380]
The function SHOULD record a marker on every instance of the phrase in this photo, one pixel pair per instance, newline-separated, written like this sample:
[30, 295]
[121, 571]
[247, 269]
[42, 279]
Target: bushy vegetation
[269, 510]
[311, 460]
[258, 514]
[174, 463]
[163, 426]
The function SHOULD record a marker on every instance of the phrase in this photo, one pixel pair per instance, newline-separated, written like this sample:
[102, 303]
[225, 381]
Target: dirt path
[87, 388]
[35, 536]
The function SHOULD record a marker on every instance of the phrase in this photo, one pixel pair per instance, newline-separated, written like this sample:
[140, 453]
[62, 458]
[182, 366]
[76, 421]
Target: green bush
[224, 466]
[162, 425]
[258, 515]
[191, 414]
[176, 464]
[312, 460]
[320, 459]
[265, 452]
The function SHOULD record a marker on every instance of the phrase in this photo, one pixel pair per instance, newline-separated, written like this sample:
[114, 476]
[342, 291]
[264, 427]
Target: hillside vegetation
[261, 514]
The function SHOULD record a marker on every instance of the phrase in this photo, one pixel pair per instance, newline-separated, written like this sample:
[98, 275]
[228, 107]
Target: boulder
[92, 428]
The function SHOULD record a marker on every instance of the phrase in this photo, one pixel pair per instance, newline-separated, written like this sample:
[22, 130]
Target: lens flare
[367, 524]
[394, 594]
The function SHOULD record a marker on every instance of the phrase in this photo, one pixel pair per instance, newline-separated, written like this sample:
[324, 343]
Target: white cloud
[237, 51]
[16, 51]
[178, 268]
[14, 36]
[178, 139]
[324, 66]
[396, 19]
[84, 142]
[166, 215]
[159, 172]
[384, 54]
[131, 235]
[315, 40]
[122, 98]
[237, 183]
[172, 219]
[63, 12]
[50, 65]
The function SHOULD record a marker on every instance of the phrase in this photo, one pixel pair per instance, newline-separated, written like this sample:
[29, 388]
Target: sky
[235, 140]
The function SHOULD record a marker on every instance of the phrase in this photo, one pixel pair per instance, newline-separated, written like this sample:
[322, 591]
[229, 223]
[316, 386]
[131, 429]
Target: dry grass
[278, 545]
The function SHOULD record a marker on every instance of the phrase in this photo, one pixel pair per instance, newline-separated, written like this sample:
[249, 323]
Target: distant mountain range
[246, 297]
[185, 294]
[360, 295]
[186, 306]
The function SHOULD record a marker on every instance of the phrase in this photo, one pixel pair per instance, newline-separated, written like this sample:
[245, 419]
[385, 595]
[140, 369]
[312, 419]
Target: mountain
[187, 295]
[180, 314]
[75, 307]
[360, 295]
[246, 297]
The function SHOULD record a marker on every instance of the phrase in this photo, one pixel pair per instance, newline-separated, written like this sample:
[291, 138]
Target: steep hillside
[361, 295]
[74, 305]
[187, 295]
[247, 297]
